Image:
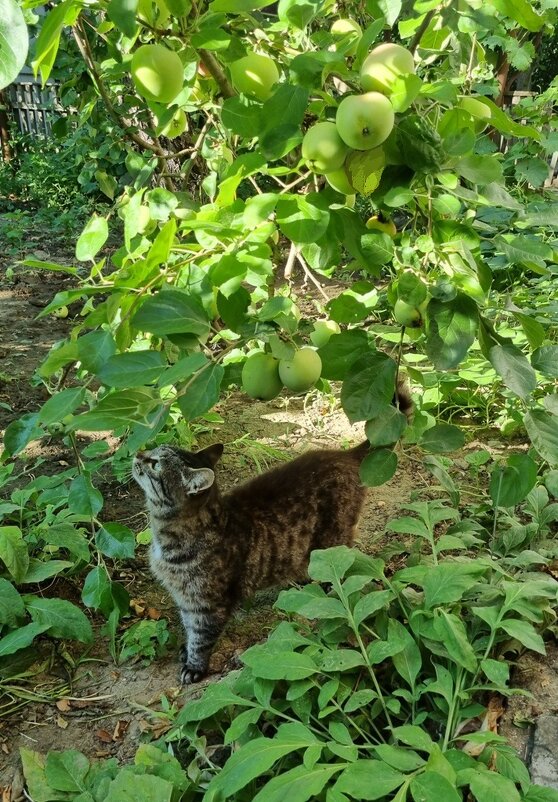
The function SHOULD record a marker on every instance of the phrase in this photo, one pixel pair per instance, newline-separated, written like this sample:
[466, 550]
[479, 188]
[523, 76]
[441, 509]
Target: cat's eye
[153, 463]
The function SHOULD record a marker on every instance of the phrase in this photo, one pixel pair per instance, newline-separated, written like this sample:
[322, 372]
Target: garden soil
[68, 696]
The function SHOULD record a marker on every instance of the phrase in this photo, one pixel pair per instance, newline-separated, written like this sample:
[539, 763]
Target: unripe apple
[323, 330]
[254, 75]
[339, 181]
[478, 110]
[347, 29]
[384, 65]
[62, 312]
[365, 121]
[157, 73]
[260, 377]
[175, 126]
[407, 315]
[387, 226]
[323, 148]
[302, 371]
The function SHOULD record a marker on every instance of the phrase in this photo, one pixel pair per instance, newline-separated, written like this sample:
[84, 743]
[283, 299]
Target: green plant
[146, 641]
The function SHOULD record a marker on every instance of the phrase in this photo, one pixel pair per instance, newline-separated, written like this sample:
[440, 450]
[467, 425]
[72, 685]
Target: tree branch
[216, 71]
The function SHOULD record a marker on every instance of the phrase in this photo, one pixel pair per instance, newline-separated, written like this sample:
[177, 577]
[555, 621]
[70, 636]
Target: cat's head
[171, 476]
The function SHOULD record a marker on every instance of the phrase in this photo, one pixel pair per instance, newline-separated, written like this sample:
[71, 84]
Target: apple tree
[262, 139]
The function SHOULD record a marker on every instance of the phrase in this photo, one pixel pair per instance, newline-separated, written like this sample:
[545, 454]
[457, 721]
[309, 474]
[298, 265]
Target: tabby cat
[210, 551]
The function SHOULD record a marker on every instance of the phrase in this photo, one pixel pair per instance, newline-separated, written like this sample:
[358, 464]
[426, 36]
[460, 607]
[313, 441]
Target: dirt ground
[78, 697]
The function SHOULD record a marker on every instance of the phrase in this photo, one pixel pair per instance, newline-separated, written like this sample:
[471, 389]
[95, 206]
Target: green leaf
[297, 12]
[378, 467]
[287, 106]
[13, 552]
[442, 437]
[341, 660]
[419, 143]
[116, 541]
[38, 570]
[92, 238]
[513, 367]
[62, 618]
[370, 604]
[20, 432]
[431, 787]
[122, 407]
[330, 565]
[256, 757]
[369, 387]
[123, 14]
[481, 170]
[377, 250]
[298, 785]
[386, 428]
[341, 351]
[20, 638]
[525, 633]
[510, 484]
[528, 251]
[536, 793]
[545, 359]
[131, 787]
[542, 428]
[487, 786]
[311, 602]
[452, 633]
[448, 582]
[407, 662]
[61, 404]
[172, 312]
[279, 665]
[132, 369]
[11, 604]
[369, 779]
[84, 499]
[300, 220]
[413, 736]
[162, 204]
[48, 40]
[33, 765]
[14, 41]
[202, 392]
[95, 348]
[496, 671]
[452, 327]
[242, 116]
[524, 14]
[66, 771]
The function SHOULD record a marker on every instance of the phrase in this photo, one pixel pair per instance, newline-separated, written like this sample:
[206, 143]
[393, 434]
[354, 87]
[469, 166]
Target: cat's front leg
[202, 631]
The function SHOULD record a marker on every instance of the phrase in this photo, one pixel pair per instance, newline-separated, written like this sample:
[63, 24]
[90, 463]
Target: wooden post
[4, 130]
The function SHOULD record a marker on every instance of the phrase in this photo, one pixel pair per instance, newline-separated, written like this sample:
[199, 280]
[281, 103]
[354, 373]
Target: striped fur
[210, 551]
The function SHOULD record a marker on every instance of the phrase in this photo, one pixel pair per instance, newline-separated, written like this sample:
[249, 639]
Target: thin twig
[290, 262]
[212, 65]
[309, 275]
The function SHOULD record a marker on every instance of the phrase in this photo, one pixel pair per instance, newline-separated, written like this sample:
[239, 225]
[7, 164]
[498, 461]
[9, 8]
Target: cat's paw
[190, 675]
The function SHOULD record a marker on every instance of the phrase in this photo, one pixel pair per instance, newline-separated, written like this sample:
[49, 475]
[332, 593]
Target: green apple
[387, 226]
[339, 181]
[323, 148]
[384, 65]
[175, 126]
[347, 30]
[407, 315]
[323, 330]
[365, 121]
[478, 110]
[302, 371]
[254, 75]
[157, 73]
[144, 218]
[260, 377]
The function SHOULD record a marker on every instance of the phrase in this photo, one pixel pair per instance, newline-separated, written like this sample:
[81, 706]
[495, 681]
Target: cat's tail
[402, 398]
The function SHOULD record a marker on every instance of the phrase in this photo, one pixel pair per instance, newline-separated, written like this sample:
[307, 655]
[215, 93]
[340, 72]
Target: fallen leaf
[63, 705]
[62, 723]
[120, 730]
[104, 736]
[154, 614]
[138, 606]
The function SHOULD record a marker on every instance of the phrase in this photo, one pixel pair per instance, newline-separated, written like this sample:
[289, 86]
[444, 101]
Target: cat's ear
[197, 480]
[212, 453]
